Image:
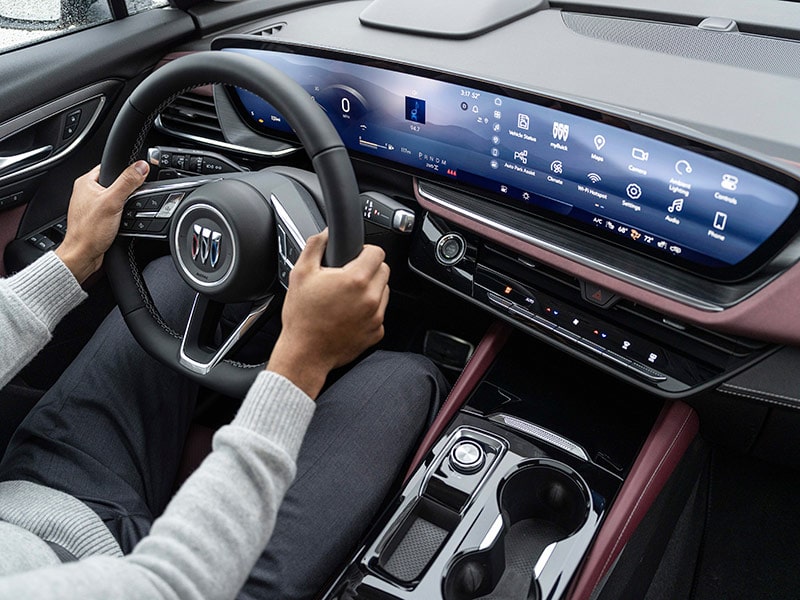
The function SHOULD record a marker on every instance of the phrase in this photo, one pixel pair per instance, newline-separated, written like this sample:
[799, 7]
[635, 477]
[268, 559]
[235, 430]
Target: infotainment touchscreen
[690, 204]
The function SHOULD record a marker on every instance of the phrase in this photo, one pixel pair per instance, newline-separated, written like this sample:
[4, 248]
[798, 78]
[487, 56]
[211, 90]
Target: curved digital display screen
[681, 205]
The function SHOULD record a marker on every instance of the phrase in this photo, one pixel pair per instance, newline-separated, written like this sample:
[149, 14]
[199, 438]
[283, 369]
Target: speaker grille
[757, 53]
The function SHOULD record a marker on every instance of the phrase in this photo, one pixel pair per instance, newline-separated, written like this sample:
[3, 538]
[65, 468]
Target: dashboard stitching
[760, 395]
[632, 512]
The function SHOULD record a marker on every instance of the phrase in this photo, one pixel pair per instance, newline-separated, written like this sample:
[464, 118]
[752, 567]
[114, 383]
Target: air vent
[191, 116]
[270, 29]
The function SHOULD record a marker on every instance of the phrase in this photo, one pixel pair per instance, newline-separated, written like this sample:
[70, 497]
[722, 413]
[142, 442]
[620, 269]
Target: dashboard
[639, 210]
[680, 201]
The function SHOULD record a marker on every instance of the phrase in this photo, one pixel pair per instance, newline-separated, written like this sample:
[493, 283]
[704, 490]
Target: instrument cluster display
[678, 202]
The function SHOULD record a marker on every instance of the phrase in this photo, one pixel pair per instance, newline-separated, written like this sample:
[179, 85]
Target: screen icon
[599, 141]
[415, 110]
[523, 121]
[560, 131]
[720, 220]
[594, 177]
[682, 167]
[557, 167]
[729, 182]
[634, 191]
[676, 206]
[640, 154]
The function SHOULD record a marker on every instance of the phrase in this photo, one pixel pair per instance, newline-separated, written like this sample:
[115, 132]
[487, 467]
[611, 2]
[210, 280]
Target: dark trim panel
[489, 347]
[673, 432]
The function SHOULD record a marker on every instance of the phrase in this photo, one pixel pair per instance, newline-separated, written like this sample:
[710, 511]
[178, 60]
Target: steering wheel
[233, 237]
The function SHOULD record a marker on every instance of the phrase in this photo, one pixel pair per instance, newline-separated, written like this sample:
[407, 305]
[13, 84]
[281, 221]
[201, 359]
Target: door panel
[57, 103]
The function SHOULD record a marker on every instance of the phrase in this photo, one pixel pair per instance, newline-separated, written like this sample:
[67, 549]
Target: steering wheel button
[157, 225]
[141, 224]
[292, 252]
[170, 204]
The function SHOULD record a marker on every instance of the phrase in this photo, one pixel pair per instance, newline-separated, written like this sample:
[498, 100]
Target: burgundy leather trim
[9, 225]
[778, 299]
[674, 429]
[490, 345]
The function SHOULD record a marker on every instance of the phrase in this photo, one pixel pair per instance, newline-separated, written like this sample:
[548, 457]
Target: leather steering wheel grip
[312, 126]
[315, 132]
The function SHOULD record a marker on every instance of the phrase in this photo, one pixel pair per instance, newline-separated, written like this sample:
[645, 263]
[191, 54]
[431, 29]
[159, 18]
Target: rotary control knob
[467, 457]
[450, 248]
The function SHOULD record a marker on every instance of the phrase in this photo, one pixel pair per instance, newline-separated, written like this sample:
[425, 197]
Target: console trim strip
[674, 430]
[542, 434]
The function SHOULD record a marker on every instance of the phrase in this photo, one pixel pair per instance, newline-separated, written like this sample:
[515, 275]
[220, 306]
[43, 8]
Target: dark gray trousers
[111, 432]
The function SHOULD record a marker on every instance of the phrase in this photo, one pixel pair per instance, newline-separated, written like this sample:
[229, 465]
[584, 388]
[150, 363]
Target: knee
[412, 372]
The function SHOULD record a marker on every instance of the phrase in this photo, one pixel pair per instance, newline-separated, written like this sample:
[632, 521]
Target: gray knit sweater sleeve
[32, 302]
[211, 534]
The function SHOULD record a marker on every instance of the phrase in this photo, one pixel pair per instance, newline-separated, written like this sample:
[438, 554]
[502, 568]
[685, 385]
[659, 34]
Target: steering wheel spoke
[198, 352]
[148, 211]
[233, 236]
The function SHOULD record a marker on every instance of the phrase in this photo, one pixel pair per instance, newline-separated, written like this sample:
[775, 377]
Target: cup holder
[541, 504]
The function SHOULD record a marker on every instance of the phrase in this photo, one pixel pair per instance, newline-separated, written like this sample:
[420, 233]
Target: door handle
[8, 162]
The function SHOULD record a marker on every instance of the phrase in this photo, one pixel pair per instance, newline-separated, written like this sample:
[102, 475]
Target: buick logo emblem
[206, 245]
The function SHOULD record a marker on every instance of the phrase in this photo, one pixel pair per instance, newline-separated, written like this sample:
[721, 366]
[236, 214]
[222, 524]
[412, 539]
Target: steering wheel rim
[316, 133]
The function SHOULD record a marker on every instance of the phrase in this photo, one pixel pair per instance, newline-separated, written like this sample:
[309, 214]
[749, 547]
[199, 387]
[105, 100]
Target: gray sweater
[213, 530]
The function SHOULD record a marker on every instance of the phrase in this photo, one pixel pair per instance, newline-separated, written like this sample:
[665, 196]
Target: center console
[512, 493]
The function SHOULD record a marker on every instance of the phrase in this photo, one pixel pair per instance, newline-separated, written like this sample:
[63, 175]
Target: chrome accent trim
[223, 145]
[9, 161]
[543, 558]
[197, 234]
[286, 220]
[604, 268]
[204, 252]
[216, 240]
[203, 368]
[158, 187]
[439, 253]
[66, 149]
[492, 534]
[541, 433]
[205, 244]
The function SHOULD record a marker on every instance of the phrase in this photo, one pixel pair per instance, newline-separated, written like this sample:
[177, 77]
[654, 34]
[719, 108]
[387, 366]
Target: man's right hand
[331, 315]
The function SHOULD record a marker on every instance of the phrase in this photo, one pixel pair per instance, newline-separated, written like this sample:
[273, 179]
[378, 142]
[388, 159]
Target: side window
[26, 22]
[136, 6]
